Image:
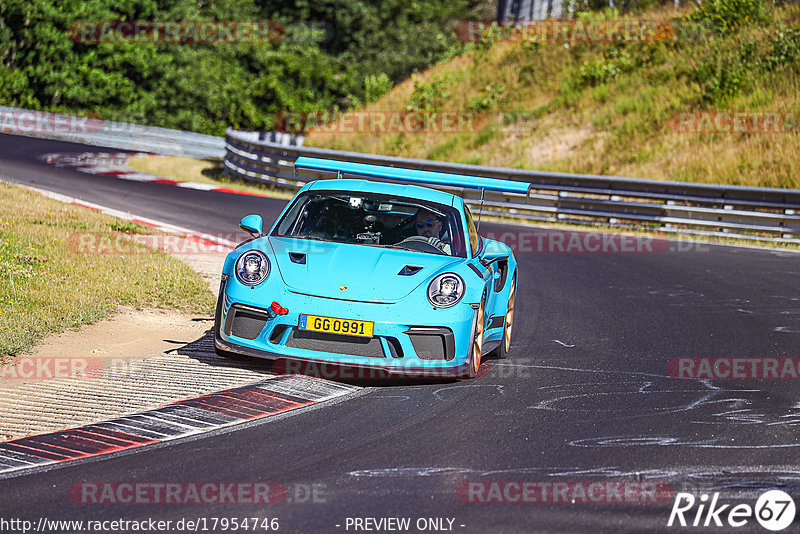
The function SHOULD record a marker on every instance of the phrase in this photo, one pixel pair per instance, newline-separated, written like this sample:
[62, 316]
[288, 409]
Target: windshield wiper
[397, 247]
[311, 237]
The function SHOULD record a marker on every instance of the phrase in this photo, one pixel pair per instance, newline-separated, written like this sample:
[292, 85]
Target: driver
[429, 225]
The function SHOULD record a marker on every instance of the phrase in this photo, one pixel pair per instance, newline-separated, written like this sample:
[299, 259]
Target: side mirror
[493, 253]
[252, 224]
[489, 259]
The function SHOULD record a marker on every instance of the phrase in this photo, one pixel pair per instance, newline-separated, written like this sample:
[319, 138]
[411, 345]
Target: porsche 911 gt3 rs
[365, 273]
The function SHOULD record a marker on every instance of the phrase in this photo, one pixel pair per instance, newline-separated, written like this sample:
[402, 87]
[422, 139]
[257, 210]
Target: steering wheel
[419, 242]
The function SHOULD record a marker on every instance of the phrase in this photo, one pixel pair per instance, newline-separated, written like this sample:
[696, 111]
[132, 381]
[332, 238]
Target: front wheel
[477, 345]
[501, 352]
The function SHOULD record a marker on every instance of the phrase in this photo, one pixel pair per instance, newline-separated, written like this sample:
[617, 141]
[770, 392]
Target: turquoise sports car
[362, 273]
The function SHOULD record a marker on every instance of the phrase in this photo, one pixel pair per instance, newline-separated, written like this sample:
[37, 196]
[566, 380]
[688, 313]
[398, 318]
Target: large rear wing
[398, 174]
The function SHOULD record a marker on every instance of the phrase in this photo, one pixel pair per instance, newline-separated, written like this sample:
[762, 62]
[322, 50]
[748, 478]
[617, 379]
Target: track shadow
[202, 350]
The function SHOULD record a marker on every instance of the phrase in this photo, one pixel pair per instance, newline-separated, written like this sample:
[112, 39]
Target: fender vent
[408, 270]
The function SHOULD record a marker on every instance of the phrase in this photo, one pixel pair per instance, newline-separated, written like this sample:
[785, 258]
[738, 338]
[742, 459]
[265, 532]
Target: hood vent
[298, 257]
[408, 270]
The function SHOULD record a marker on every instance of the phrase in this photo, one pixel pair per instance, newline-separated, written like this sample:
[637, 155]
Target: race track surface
[584, 396]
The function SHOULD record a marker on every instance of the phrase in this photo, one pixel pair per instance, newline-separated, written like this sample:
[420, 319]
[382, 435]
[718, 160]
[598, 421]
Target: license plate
[334, 325]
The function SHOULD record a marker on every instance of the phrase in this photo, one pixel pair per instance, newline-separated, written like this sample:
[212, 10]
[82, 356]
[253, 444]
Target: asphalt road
[584, 397]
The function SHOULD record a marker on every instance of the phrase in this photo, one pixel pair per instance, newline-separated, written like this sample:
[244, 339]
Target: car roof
[369, 186]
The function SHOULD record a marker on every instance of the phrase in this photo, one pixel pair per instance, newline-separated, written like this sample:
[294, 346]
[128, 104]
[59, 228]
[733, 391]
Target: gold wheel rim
[477, 343]
[510, 315]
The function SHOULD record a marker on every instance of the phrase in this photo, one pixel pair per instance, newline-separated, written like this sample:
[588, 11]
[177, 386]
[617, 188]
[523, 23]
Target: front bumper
[393, 349]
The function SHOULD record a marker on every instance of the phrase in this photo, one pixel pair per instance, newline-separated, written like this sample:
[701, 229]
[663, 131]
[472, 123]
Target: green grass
[52, 280]
[611, 104]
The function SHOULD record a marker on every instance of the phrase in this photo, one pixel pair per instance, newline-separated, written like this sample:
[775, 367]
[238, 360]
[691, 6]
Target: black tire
[476, 346]
[501, 352]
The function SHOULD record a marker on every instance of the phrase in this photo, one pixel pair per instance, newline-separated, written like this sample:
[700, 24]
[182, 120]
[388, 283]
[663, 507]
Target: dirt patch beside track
[137, 360]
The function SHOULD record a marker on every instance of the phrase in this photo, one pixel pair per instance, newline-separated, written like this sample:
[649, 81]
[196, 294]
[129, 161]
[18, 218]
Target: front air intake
[432, 343]
[335, 343]
[246, 323]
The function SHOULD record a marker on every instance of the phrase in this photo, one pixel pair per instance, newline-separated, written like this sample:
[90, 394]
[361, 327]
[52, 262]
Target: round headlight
[446, 290]
[252, 267]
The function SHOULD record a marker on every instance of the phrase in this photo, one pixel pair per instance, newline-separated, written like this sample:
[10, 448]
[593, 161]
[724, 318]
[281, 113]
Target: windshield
[376, 220]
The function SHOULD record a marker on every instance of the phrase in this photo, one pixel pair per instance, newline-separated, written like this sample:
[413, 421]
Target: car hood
[352, 272]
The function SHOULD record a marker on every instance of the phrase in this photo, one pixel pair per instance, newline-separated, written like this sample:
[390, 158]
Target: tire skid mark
[92, 163]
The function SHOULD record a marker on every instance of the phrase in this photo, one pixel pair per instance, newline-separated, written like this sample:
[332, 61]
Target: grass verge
[202, 171]
[52, 279]
[610, 108]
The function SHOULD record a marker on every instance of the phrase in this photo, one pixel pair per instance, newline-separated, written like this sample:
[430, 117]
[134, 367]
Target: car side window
[474, 238]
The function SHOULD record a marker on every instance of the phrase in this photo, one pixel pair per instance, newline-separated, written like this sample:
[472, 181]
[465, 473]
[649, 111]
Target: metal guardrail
[755, 213]
[119, 135]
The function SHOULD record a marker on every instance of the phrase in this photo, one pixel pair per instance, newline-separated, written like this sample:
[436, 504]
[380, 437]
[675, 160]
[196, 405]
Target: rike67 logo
[774, 510]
